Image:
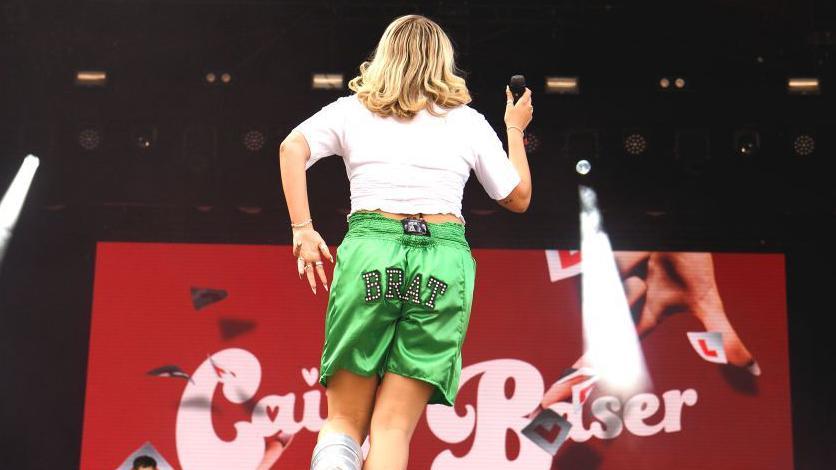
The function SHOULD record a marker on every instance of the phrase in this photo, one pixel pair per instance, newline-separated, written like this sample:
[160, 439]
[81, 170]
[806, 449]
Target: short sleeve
[324, 131]
[492, 167]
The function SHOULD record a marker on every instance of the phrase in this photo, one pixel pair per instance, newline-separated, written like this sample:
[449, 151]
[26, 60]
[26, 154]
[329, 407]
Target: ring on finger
[308, 266]
[319, 263]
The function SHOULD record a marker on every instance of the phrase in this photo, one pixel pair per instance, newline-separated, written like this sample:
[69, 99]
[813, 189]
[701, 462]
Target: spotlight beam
[12, 201]
[612, 347]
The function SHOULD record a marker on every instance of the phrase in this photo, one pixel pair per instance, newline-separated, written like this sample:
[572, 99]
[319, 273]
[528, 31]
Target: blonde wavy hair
[412, 67]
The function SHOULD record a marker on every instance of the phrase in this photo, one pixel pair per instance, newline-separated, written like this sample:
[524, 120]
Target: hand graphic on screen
[276, 445]
[661, 284]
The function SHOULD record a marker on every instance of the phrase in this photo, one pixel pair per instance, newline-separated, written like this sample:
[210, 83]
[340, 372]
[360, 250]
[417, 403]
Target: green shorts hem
[324, 374]
[439, 396]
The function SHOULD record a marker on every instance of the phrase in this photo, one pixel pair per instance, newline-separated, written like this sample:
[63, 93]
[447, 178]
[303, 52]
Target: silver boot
[337, 451]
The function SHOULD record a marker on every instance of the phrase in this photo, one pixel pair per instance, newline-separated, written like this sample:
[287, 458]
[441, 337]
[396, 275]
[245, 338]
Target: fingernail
[313, 289]
[754, 369]
[325, 286]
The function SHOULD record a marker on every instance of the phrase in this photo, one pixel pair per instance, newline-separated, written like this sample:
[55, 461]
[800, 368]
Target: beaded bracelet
[301, 224]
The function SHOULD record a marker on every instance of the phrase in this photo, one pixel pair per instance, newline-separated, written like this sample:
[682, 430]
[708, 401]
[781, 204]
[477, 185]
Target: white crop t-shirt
[410, 167]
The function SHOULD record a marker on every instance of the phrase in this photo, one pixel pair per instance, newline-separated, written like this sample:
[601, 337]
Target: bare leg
[398, 408]
[350, 403]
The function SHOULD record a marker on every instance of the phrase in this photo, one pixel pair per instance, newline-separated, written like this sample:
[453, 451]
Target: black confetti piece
[201, 297]
[231, 327]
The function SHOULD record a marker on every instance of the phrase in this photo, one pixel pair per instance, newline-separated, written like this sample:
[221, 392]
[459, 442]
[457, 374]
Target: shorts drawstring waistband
[374, 225]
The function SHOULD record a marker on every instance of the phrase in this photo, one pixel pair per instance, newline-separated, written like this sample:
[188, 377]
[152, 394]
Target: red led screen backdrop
[206, 356]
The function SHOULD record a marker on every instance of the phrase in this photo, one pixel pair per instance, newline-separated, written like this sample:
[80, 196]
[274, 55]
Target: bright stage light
[672, 84]
[747, 142]
[562, 85]
[12, 201]
[143, 137]
[327, 81]
[803, 86]
[91, 78]
[213, 77]
[611, 344]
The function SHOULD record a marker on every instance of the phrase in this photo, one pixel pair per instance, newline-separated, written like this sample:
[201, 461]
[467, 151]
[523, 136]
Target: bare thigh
[350, 403]
[400, 403]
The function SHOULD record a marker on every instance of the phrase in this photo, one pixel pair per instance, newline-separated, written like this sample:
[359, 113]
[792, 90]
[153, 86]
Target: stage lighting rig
[635, 143]
[563, 85]
[90, 138]
[531, 141]
[747, 142]
[216, 78]
[327, 81]
[91, 78]
[803, 86]
[803, 144]
[143, 138]
[253, 140]
[672, 83]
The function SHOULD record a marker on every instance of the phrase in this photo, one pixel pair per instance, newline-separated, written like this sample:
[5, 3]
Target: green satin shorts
[400, 303]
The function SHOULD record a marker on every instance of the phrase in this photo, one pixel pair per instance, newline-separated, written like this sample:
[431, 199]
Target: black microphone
[517, 86]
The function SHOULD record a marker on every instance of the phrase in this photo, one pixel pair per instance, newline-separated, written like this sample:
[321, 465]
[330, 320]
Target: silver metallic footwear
[337, 451]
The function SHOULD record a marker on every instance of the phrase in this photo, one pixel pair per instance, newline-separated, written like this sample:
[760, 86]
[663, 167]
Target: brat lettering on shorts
[394, 287]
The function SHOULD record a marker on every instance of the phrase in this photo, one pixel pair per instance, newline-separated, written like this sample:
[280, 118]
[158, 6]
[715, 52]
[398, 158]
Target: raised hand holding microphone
[517, 85]
[517, 117]
[519, 110]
